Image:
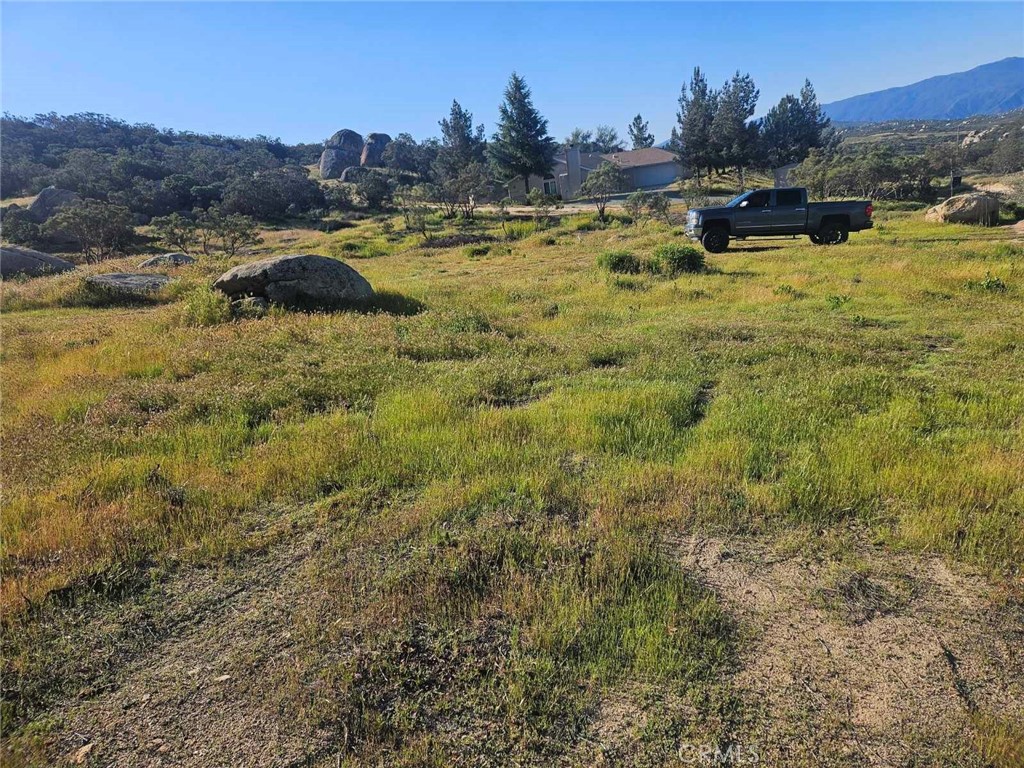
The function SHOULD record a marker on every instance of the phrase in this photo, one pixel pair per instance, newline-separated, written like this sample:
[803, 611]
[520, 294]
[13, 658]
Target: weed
[990, 283]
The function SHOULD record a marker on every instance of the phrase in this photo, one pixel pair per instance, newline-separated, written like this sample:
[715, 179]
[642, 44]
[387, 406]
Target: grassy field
[469, 498]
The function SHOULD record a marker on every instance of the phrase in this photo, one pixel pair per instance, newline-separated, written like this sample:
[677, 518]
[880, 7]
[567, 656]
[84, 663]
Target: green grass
[501, 444]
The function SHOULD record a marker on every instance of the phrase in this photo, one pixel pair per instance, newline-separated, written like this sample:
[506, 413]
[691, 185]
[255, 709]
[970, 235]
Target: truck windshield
[737, 200]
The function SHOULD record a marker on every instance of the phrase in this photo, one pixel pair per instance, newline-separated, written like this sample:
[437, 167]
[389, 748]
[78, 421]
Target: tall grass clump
[622, 262]
[205, 307]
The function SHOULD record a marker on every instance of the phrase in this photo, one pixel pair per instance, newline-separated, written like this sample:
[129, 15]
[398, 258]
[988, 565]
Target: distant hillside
[985, 90]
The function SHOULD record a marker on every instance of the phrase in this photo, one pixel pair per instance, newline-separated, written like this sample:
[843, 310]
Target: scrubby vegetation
[483, 474]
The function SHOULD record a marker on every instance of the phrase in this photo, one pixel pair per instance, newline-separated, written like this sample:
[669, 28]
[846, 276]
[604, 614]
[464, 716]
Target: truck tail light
[868, 210]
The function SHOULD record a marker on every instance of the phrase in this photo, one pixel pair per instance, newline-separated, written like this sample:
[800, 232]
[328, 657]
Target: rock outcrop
[373, 150]
[972, 208]
[25, 261]
[343, 149]
[298, 281]
[49, 201]
[167, 260]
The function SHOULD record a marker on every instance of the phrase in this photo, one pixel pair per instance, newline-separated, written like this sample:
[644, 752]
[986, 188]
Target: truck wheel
[715, 240]
[833, 234]
[815, 239]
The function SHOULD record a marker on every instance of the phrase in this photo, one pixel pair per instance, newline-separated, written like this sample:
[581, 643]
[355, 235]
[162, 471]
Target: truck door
[754, 215]
[789, 214]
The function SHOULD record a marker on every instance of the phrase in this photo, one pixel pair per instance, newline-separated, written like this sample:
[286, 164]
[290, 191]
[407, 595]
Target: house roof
[635, 158]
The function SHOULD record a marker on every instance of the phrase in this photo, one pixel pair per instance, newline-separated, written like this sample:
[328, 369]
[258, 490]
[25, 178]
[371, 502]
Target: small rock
[167, 259]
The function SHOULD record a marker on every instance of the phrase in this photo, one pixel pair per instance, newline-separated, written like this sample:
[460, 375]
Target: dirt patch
[891, 677]
[203, 695]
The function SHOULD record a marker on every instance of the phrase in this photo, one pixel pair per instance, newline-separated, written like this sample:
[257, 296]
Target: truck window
[759, 199]
[788, 197]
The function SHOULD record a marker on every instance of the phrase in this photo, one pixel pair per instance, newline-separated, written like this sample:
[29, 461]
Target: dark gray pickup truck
[777, 213]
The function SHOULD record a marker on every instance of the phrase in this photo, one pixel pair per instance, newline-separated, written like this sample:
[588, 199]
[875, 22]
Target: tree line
[715, 131]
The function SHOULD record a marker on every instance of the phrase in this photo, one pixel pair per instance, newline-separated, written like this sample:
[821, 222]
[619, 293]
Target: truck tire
[815, 239]
[715, 240]
[833, 233]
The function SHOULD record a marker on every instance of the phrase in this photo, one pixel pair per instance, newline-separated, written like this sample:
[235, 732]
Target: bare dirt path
[881, 664]
[205, 694]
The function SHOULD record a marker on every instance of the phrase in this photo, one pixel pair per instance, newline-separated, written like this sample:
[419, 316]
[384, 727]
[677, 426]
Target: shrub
[622, 262]
[100, 229]
[272, 194]
[204, 307]
[674, 259]
[475, 251]
[375, 191]
[20, 228]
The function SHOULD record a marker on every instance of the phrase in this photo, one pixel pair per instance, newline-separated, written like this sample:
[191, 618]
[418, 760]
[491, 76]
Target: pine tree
[795, 126]
[639, 135]
[691, 138]
[733, 137]
[521, 145]
[461, 143]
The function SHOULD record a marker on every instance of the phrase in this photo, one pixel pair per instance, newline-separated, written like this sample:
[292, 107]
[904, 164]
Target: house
[645, 168]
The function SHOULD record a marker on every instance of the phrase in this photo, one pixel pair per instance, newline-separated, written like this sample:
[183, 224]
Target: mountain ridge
[986, 89]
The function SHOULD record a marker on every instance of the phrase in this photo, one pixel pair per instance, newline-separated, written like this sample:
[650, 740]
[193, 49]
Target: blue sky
[302, 71]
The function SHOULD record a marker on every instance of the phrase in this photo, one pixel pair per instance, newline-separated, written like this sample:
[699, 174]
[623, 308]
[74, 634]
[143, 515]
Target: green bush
[674, 259]
[204, 307]
[623, 262]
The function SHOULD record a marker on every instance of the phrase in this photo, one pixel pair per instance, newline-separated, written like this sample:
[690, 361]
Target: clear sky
[302, 71]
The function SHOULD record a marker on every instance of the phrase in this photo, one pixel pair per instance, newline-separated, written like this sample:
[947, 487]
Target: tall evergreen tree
[461, 143]
[691, 138]
[795, 126]
[639, 135]
[733, 136]
[521, 145]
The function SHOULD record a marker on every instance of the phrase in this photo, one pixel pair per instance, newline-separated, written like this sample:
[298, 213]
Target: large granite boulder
[300, 281]
[25, 261]
[128, 283]
[333, 162]
[345, 139]
[167, 260]
[373, 150]
[51, 200]
[972, 208]
[343, 149]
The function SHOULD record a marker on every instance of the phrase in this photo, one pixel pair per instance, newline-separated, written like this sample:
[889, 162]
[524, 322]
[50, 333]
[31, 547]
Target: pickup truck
[777, 213]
